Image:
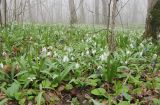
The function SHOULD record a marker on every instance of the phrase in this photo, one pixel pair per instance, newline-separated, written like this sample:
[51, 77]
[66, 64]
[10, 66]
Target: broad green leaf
[39, 98]
[99, 92]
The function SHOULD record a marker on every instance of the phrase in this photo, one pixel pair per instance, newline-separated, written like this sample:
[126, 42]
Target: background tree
[0, 13]
[104, 11]
[82, 13]
[112, 36]
[152, 27]
[97, 11]
[73, 14]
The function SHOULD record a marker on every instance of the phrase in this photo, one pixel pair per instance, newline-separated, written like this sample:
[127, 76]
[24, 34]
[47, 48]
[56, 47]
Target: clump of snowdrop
[65, 59]
[104, 56]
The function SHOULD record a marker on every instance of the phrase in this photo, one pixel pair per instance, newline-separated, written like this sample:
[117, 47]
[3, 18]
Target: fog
[57, 11]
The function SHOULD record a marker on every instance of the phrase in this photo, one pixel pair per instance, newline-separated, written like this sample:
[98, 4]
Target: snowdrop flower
[65, 59]
[55, 54]
[44, 50]
[94, 44]
[99, 67]
[104, 56]
[87, 52]
[141, 44]
[128, 52]
[31, 78]
[82, 54]
[131, 45]
[93, 51]
[72, 58]
[50, 48]
[77, 65]
[4, 54]
[49, 53]
[141, 53]
[1, 65]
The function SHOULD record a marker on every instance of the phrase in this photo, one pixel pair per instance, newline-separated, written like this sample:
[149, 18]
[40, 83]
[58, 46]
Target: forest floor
[59, 65]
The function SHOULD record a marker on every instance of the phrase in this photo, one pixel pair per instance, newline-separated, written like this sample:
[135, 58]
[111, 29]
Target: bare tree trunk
[15, 10]
[112, 36]
[97, 11]
[82, 14]
[105, 12]
[30, 11]
[73, 14]
[5, 12]
[153, 20]
[0, 14]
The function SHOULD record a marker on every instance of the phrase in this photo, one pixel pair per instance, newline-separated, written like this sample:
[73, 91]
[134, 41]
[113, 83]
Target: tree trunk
[152, 27]
[30, 11]
[112, 36]
[73, 14]
[15, 10]
[82, 14]
[97, 11]
[105, 12]
[0, 14]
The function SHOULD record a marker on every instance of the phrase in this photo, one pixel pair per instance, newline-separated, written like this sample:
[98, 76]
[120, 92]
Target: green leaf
[13, 89]
[46, 84]
[124, 103]
[99, 92]
[39, 98]
[96, 102]
[2, 102]
[127, 96]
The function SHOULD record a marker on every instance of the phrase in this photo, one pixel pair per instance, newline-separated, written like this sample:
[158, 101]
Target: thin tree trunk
[30, 11]
[82, 14]
[15, 10]
[0, 14]
[112, 36]
[5, 12]
[105, 12]
[73, 14]
[97, 11]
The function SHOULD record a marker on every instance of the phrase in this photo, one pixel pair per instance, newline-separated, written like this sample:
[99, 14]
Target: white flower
[31, 78]
[68, 49]
[44, 50]
[104, 56]
[72, 58]
[4, 54]
[141, 53]
[128, 52]
[131, 45]
[77, 65]
[50, 48]
[87, 52]
[55, 54]
[82, 54]
[99, 67]
[65, 59]
[141, 44]
[1, 65]
[49, 53]
[93, 51]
